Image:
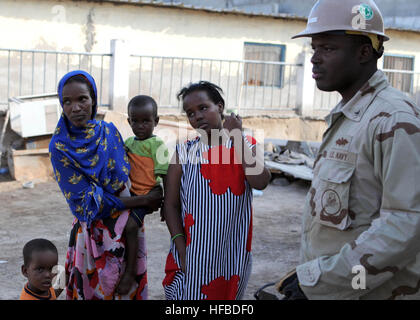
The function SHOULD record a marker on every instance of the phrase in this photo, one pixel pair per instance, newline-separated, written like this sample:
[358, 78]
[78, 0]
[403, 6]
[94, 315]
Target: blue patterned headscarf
[90, 164]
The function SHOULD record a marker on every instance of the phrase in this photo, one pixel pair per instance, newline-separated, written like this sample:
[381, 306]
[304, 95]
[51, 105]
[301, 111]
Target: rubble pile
[291, 158]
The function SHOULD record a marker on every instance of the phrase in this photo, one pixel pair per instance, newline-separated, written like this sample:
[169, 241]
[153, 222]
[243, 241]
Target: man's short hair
[37, 245]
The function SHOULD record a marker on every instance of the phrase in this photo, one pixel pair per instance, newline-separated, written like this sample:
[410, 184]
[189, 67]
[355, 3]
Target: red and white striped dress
[216, 204]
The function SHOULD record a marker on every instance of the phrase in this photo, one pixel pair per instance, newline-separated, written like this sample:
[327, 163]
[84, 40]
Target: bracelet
[176, 236]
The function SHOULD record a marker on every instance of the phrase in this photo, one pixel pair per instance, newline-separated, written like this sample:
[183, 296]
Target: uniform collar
[356, 107]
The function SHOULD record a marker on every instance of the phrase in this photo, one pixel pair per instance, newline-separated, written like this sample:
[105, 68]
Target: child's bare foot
[125, 283]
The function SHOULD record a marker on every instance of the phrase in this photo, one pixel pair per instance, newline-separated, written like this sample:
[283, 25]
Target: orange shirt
[148, 159]
[142, 176]
[27, 294]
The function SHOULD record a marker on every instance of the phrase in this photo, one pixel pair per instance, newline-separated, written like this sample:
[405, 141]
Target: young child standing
[148, 157]
[40, 256]
[208, 202]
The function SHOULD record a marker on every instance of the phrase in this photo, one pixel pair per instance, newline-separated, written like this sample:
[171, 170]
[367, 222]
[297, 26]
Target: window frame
[281, 68]
[397, 55]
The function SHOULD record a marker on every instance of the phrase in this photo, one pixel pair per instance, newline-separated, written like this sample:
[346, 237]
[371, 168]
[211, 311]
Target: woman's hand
[154, 199]
[234, 121]
[182, 261]
[181, 248]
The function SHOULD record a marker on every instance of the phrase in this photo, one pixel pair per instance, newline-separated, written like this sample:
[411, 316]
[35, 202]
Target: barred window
[401, 81]
[260, 74]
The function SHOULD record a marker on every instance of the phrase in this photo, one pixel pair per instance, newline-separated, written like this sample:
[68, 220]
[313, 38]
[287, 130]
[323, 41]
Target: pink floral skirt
[96, 260]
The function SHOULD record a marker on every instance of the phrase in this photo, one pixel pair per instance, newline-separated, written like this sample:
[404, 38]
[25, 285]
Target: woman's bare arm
[153, 200]
[257, 175]
[172, 207]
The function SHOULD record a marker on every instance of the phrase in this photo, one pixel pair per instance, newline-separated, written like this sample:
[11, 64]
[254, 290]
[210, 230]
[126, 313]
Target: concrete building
[156, 48]
[216, 36]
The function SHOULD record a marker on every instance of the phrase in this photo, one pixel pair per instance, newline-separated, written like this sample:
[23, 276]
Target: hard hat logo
[366, 11]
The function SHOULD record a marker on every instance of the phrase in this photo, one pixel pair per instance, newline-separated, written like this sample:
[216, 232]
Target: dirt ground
[42, 212]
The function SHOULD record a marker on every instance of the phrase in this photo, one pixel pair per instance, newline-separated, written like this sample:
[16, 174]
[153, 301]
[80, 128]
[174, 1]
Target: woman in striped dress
[208, 202]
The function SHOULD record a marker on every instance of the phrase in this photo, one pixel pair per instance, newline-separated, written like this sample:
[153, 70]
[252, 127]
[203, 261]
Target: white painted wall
[147, 30]
[90, 26]
[64, 25]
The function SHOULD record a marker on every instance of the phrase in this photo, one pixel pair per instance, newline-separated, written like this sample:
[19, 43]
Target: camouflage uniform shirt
[362, 212]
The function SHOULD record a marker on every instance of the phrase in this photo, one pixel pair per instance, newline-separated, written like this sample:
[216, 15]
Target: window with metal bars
[261, 74]
[400, 80]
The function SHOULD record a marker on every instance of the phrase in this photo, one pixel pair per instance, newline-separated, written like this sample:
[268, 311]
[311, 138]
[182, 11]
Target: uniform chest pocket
[331, 197]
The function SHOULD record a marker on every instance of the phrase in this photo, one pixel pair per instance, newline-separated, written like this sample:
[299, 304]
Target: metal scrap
[293, 158]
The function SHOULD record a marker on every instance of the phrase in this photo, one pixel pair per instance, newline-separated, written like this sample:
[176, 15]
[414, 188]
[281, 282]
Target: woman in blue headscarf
[91, 168]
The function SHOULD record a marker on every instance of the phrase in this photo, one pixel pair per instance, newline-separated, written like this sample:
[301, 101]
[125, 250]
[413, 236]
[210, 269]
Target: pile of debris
[293, 159]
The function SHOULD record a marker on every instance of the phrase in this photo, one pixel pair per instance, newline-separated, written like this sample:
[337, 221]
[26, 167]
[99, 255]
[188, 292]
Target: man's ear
[366, 53]
[129, 122]
[380, 53]
[156, 121]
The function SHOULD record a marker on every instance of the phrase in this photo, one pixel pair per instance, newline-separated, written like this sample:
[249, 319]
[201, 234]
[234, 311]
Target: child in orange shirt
[40, 256]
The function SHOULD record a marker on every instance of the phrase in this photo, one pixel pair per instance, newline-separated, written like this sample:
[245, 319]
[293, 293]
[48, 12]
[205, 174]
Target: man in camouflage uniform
[361, 223]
